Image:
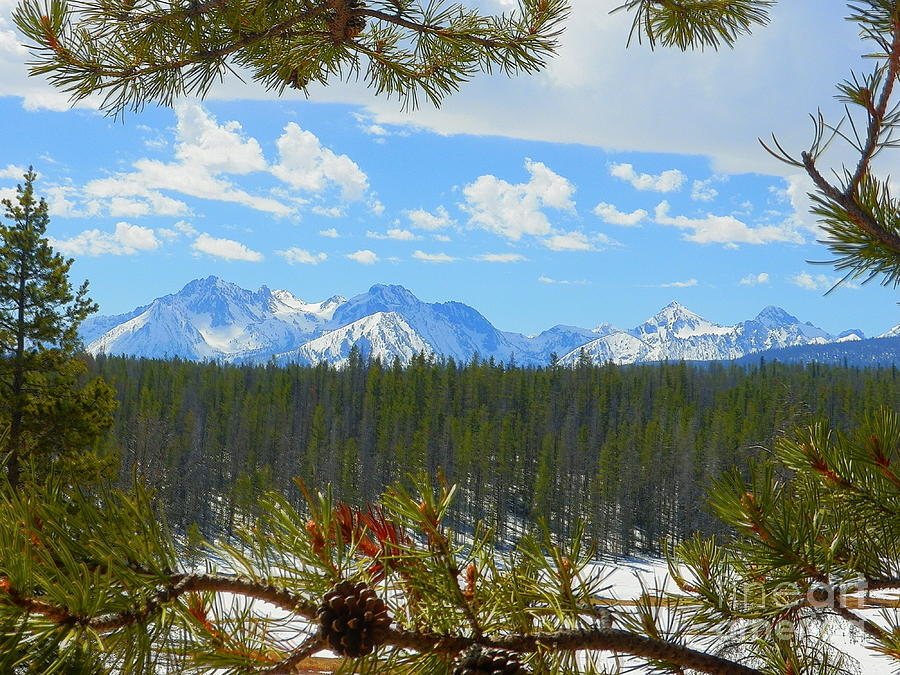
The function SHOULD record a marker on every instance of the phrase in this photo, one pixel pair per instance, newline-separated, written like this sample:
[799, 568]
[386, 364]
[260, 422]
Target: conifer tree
[132, 52]
[46, 412]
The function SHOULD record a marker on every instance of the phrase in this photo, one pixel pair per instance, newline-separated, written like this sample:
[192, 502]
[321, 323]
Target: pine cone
[342, 25]
[353, 620]
[478, 661]
[295, 80]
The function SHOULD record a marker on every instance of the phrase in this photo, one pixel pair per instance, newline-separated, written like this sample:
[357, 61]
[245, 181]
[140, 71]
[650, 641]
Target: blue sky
[598, 191]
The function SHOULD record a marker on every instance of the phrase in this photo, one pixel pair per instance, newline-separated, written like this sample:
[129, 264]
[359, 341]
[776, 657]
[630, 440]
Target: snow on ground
[625, 579]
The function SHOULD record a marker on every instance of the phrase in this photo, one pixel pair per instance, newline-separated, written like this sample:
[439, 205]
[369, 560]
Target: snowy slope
[382, 335]
[559, 340]
[676, 333]
[213, 319]
[448, 328]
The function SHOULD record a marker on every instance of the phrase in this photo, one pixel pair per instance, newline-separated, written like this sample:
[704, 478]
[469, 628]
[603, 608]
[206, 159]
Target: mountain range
[212, 319]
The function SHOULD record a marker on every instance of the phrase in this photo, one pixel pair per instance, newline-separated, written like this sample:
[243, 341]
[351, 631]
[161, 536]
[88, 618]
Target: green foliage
[629, 450]
[695, 24]
[131, 52]
[97, 579]
[857, 212]
[815, 531]
[48, 412]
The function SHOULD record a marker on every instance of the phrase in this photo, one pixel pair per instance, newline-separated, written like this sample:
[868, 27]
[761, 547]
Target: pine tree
[132, 52]
[47, 413]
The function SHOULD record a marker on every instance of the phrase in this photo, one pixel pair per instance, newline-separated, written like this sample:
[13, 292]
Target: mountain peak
[393, 293]
[204, 282]
[773, 316]
[676, 320]
[675, 311]
[211, 283]
[211, 318]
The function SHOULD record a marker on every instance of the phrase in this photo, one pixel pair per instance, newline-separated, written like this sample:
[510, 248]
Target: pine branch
[846, 197]
[289, 666]
[618, 641]
[603, 639]
[173, 588]
[135, 51]
[858, 213]
[870, 628]
[694, 24]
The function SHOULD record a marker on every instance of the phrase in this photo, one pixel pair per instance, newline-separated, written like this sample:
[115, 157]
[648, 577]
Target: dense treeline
[629, 449]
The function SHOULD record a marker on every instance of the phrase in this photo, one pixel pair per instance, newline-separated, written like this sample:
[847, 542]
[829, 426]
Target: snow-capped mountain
[211, 319]
[559, 340]
[382, 335]
[448, 328]
[676, 333]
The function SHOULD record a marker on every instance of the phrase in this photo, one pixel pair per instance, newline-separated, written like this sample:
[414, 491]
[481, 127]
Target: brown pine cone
[353, 620]
[478, 661]
[342, 25]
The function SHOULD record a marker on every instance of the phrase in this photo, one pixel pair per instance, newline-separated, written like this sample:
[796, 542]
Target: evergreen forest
[629, 450]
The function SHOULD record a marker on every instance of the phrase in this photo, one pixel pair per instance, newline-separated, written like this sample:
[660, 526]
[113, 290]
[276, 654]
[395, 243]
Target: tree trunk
[15, 430]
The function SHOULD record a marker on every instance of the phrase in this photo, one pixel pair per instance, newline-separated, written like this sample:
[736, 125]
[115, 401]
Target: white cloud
[63, 202]
[667, 181]
[796, 192]
[206, 155]
[702, 191]
[367, 126]
[819, 282]
[376, 207]
[127, 208]
[168, 234]
[699, 103]
[363, 257]
[755, 279]
[424, 220]
[127, 239]
[301, 256]
[690, 283]
[307, 165]
[225, 248]
[726, 230]
[328, 211]
[810, 283]
[610, 214]
[136, 237]
[441, 237]
[513, 210]
[433, 257]
[152, 175]
[500, 257]
[218, 148]
[204, 152]
[331, 233]
[563, 282]
[186, 228]
[394, 233]
[578, 241]
[682, 103]
[569, 241]
[13, 172]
